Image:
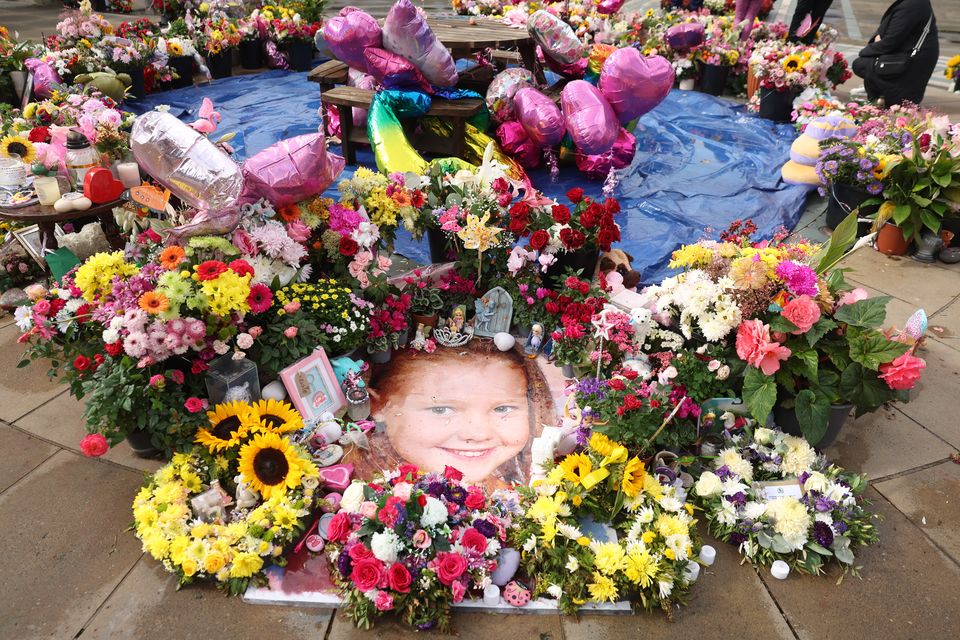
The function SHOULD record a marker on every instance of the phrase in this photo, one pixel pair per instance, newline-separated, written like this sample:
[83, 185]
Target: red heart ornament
[100, 186]
[338, 476]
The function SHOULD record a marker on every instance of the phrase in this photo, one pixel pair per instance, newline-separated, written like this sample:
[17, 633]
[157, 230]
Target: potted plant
[13, 73]
[253, 29]
[217, 37]
[181, 57]
[426, 300]
[851, 172]
[571, 309]
[387, 322]
[295, 35]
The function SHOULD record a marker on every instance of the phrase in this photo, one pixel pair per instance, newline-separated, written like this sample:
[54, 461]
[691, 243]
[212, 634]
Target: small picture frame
[312, 386]
[773, 489]
[29, 238]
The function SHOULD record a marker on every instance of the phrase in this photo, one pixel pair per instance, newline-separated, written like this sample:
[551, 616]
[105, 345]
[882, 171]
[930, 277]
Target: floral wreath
[775, 497]
[185, 515]
[650, 544]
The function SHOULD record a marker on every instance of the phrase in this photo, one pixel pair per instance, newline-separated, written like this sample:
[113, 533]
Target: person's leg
[751, 10]
[741, 11]
[817, 12]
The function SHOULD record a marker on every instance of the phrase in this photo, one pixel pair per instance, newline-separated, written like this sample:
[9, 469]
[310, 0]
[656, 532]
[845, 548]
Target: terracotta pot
[890, 240]
[427, 321]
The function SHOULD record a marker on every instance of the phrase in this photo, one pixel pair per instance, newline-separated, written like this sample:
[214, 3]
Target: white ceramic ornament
[72, 202]
[274, 391]
[504, 341]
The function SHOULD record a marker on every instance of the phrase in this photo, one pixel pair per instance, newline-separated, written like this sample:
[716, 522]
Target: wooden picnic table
[46, 218]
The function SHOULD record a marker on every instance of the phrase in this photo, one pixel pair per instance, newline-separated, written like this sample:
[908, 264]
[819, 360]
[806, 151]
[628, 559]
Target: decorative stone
[337, 476]
[504, 342]
[274, 391]
[13, 298]
[508, 561]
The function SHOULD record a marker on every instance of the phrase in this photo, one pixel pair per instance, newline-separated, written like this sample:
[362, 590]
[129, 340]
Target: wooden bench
[457, 111]
[329, 74]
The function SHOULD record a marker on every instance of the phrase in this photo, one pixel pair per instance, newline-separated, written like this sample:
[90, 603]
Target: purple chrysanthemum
[344, 564]
[840, 527]
[823, 534]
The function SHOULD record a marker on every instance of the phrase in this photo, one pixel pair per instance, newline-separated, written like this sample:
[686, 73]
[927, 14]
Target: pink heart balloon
[394, 71]
[350, 34]
[518, 144]
[406, 33]
[607, 7]
[591, 121]
[539, 116]
[634, 84]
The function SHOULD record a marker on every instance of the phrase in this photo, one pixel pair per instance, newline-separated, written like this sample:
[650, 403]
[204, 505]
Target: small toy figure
[534, 344]
[420, 339]
[246, 497]
[486, 309]
[457, 319]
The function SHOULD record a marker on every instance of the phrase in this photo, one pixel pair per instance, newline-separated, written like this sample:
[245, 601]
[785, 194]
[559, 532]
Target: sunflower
[274, 416]
[270, 465]
[20, 146]
[174, 48]
[171, 257]
[153, 302]
[793, 62]
[228, 425]
[632, 482]
[576, 467]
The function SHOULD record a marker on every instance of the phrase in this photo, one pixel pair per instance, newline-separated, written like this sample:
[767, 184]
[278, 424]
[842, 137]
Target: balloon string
[613, 178]
[551, 157]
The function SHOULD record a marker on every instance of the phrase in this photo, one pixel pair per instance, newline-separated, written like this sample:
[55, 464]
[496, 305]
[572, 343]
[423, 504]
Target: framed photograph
[30, 239]
[312, 386]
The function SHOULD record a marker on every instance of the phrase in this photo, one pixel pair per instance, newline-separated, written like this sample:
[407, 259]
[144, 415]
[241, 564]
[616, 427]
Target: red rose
[520, 210]
[56, 305]
[81, 363]
[193, 405]
[617, 385]
[398, 577]
[451, 473]
[368, 574]
[577, 239]
[348, 247]
[552, 307]
[339, 528]
[566, 237]
[517, 226]
[500, 185]
[575, 195]
[475, 501]
[410, 470]
[39, 134]
[539, 239]
[113, 349]
[587, 219]
[241, 267]
[98, 360]
[611, 206]
[561, 214]
[630, 374]
[571, 282]
[604, 239]
[449, 567]
[357, 552]
[422, 500]
[94, 445]
[584, 288]
[473, 539]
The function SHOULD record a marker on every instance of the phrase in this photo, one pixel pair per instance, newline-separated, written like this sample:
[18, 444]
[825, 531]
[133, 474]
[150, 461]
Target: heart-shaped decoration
[100, 186]
[348, 36]
[634, 84]
[338, 476]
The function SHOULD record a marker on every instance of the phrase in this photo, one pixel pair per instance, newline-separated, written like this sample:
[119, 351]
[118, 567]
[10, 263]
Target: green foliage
[759, 393]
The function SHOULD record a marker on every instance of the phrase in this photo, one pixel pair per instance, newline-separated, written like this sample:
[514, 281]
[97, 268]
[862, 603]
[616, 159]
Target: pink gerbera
[260, 298]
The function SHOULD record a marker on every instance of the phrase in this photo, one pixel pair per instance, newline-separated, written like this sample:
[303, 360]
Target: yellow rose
[189, 567]
[213, 562]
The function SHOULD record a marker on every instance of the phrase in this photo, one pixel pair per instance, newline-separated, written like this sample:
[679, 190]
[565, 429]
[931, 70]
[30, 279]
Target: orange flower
[289, 213]
[402, 198]
[171, 257]
[153, 302]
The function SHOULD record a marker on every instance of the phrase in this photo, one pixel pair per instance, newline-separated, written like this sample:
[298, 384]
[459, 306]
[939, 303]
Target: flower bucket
[300, 55]
[786, 419]
[380, 357]
[844, 198]
[137, 89]
[427, 321]
[251, 54]
[713, 78]
[890, 240]
[776, 105]
[584, 260]
[440, 246]
[142, 445]
[753, 83]
[687, 84]
[183, 65]
[220, 64]
[568, 371]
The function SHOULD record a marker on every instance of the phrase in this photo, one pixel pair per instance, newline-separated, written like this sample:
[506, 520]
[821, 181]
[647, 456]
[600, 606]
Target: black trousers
[909, 87]
[817, 9]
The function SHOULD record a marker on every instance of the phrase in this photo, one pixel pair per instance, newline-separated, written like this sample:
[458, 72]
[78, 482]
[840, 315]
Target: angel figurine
[486, 309]
[246, 497]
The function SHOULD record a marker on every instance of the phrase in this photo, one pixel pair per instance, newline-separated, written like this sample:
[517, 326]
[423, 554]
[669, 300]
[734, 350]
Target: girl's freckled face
[469, 415]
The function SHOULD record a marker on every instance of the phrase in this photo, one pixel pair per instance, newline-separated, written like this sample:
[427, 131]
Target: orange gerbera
[153, 302]
[171, 257]
[289, 213]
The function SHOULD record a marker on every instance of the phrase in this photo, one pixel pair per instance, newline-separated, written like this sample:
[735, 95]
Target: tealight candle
[129, 174]
[708, 554]
[491, 595]
[48, 190]
[692, 572]
[779, 569]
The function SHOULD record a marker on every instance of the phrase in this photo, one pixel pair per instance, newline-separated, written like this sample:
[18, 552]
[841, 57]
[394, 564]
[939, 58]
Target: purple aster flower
[724, 472]
[831, 166]
[846, 153]
[840, 527]
[823, 534]
[866, 164]
[874, 188]
[737, 538]
[436, 489]
[824, 504]
[739, 498]
[456, 494]
[487, 528]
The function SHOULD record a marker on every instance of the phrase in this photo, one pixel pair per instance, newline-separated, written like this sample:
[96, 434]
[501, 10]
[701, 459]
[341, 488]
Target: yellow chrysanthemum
[228, 426]
[609, 558]
[270, 465]
[276, 416]
[691, 256]
[670, 525]
[245, 565]
[20, 146]
[602, 589]
[95, 276]
[641, 567]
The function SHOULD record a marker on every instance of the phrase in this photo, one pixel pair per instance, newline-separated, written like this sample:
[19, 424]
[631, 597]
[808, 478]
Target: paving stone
[898, 310]
[63, 548]
[467, 626]
[19, 454]
[924, 285]
[945, 325]
[21, 389]
[886, 442]
[908, 589]
[728, 601]
[931, 499]
[61, 421]
[147, 605]
[934, 400]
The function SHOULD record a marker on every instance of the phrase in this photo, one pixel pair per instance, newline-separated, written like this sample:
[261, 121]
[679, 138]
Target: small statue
[534, 344]
[210, 505]
[246, 497]
[486, 309]
[420, 339]
[457, 319]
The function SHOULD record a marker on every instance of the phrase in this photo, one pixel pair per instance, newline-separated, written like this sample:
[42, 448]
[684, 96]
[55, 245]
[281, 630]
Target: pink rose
[903, 372]
[850, 297]
[430, 346]
[368, 574]
[157, 380]
[292, 307]
[194, 405]
[474, 540]
[458, 591]
[368, 510]
[339, 528]
[803, 312]
[474, 501]
[398, 577]
[290, 332]
[402, 490]
[94, 445]
[383, 601]
[449, 567]
[421, 539]
[298, 231]
[757, 349]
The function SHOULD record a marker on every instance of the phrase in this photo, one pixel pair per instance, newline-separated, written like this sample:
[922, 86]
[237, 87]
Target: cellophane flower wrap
[415, 543]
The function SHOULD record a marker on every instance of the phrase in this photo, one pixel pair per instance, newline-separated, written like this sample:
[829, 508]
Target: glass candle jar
[129, 174]
[80, 158]
[13, 173]
[358, 404]
[48, 190]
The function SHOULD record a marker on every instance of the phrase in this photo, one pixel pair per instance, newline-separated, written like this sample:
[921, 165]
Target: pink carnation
[383, 601]
[803, 312]
[903, 372]
[757, 349]
[290, 332]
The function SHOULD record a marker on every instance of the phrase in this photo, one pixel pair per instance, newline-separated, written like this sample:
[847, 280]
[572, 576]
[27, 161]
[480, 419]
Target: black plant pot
[300, 55]
[183, 65]
[141, 444]
[584, 261]
[441, 247]
[776, 105]
[251, 54]
[786, 419]
[713, 78]
[845, 198]
[220, 64]
[137, 89]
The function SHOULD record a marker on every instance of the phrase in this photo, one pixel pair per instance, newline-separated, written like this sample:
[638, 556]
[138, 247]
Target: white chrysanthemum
[645, 515]
[666, 588]
[555, 591]
[727, 513]
[732, 460]
[733, 486]
[679, 543]
[790, 519]
[568, 531]
[493, 546]
[572, 564]
[708, 485]
[530, 544]
[434, 513]
[799, 457]
[753, 510]
[385, 546]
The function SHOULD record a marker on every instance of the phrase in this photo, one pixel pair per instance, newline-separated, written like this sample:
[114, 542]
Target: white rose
[555, 591]
[708, 485]
[762, 435]
[816, 482]
[352, 498]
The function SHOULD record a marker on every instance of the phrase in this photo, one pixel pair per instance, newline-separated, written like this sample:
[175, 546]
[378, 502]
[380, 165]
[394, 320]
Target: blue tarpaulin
[701, 161]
